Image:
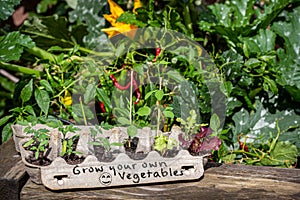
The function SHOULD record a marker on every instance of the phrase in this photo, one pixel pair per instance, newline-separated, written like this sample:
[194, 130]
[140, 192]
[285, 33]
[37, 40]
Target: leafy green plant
[163, 143]
[102, 141]
[39, 142]
[68, 142]
[190, 127]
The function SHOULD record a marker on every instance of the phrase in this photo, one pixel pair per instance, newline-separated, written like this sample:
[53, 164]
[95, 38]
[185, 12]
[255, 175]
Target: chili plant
[102, 141]
[39, 142]
[68, 143]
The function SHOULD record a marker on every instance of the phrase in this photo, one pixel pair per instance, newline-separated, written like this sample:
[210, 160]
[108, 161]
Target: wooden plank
[12, 171]
[223, 182]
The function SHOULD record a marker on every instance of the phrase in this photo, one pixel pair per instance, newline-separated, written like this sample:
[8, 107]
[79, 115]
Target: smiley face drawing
[105, 178]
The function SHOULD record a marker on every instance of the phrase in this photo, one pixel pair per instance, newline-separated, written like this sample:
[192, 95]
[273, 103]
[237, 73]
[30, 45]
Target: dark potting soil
[130, 149]
[40, 161]
[73, 159]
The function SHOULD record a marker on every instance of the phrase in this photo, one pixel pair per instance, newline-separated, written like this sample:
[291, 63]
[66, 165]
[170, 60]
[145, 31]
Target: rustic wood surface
[222, 182]
[219, 182]
[12, 172]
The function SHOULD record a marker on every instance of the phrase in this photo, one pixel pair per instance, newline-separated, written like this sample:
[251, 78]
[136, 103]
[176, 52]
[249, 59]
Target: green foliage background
[254, 44]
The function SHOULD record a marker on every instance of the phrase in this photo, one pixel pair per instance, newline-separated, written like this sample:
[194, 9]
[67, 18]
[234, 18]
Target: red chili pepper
[157, 52]
[102, 107]
[137, 90]
[135, 85]
[243, 145]
[117, 85]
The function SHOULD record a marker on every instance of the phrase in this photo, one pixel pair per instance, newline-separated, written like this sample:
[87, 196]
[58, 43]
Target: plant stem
[70, 43]
[41, 53]
[130, 98]
[17, 68]
[82, 110]
[158, 108]
[187, 18]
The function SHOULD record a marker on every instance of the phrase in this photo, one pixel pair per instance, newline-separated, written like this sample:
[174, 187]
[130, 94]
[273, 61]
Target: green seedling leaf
[149, 94]
[26, 92]
[28, 143]
[168, 114]
[159, 95]
[144, 111]
[43, 100]
[161, 143]
[172, 143]
[132, 131]
[123, 121]
[116, 144]
[214, 123]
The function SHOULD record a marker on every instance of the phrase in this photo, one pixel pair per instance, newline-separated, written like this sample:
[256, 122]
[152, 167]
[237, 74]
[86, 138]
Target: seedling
[102, 141]
[39, 141]
[164, 143]
[68, 146]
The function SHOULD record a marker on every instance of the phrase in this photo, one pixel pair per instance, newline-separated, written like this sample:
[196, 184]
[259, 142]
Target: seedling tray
[122, 171]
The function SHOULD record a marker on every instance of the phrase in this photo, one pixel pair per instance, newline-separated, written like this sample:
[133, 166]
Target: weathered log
[222, 182]
[12, 172]
[219, 182]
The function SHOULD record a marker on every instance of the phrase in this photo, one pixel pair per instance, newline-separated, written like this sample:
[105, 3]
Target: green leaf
[289, 64]
[28, 143]
[103, 97]
[44, 5]
[90, 93]
[144, 111]
[43, 100]
[46, 85]
[50, 31]
[262, 43]
[285, 152]
[123, 121]
[168, 114]
[271, 84]
[130, 18]
[120, 50]
[291, 136]
[5, 119]
[77, 111]
[26, 92]
[233, 18]
[7, 8]
[72, 3]
[259, 126]
[149, 94]
[159, 95]
[90, 13]
[214, 123]
[12, 45]
[132, 130]
[30, 110]
[6, 132]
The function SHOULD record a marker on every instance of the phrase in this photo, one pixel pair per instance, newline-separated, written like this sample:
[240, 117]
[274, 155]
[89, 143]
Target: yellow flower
[116, 12]
[67, 99]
